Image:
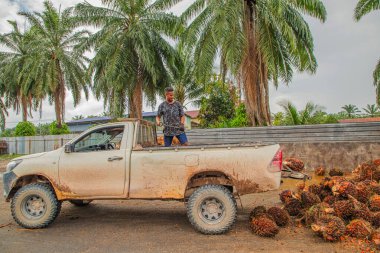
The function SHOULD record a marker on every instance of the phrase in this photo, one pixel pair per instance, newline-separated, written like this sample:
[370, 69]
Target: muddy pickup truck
[123, 161]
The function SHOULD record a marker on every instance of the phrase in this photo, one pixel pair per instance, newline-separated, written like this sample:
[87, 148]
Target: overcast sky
[347, 53]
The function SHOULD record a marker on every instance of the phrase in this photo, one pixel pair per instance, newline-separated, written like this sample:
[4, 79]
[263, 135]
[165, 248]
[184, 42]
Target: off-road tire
[80, 202]
[218, 196]
[22, 213]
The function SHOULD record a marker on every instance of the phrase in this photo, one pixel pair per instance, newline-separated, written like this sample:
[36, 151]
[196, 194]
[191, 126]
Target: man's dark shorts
[169, 139]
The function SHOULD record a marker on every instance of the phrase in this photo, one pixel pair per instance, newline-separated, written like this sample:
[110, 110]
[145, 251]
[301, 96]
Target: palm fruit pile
[294, 164]
[320, 171]
[265, 222]
[340, 206]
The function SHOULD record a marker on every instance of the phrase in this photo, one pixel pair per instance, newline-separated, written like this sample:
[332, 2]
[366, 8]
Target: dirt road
[153, 226]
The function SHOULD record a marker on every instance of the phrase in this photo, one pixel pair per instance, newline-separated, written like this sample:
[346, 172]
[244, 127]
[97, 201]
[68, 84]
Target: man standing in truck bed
[173, 119]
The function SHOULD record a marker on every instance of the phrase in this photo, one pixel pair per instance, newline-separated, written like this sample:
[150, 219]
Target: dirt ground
[154, 226]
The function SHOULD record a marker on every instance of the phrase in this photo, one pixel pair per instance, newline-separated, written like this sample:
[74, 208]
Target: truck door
[96, 167]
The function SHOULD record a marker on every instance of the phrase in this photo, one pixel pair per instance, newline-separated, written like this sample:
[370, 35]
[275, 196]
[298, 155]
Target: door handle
[113, 158]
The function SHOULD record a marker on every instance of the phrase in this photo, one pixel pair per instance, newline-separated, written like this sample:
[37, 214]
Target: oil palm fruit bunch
[314, 188]
[344, 189]
[264, 226]
[285, 195]
[293, 206]
[279, 215]
[320, 171]
[361, 211]
[359, 228]
[317, 211]
[368, 170]
[331, 228]
[309, 199]
[375, 217]
[294, 164]
[374, 203]
[375, 239]
[335, 172]
[257, 211]
[363, 192]
[344, 209]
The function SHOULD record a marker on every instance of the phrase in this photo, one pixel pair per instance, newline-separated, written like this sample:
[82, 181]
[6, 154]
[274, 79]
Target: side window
[102, 139]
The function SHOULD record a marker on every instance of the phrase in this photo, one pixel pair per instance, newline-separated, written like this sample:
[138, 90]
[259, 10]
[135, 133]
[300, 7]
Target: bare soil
[155, 226]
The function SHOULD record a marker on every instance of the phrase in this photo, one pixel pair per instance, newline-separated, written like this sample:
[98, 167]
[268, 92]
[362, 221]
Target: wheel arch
[208, 178]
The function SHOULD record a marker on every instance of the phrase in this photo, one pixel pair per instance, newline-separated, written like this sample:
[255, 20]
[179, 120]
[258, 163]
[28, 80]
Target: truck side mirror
[69, 148]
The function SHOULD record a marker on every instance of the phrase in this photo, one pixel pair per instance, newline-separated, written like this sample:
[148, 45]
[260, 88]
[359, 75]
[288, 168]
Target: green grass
[8, 157]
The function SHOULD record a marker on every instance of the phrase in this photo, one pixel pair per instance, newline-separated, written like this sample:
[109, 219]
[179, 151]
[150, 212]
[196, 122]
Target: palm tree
[187, 90]
[132, 55]
[362, 8]
[351, 110]
[3, 108]
[257, 40]
[57, 61]
[19, 92]
[372, 110]
[306, 116]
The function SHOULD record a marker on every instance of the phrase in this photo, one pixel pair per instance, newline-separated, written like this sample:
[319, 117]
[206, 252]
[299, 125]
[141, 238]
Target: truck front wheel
[212, 209]
[35, 206]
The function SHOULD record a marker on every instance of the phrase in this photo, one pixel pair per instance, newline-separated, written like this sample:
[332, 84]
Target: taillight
[276, 164]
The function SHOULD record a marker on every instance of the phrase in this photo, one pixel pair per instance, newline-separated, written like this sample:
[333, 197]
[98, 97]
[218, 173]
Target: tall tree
[3, 108]
[132, 54]
[58, 62]
[258, 41]
[20, 92]
[362, 8]
[351, 110]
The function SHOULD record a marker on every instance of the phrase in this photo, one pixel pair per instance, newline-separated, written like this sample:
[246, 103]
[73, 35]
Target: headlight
[13, 165]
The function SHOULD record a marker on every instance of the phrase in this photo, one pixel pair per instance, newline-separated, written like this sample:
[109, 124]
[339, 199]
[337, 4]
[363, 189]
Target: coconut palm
[257, 40]
[372, 110]
[20, 92]
[362, 8]
[57, 62]
[132, 55]
[306, 116]
[351, 110]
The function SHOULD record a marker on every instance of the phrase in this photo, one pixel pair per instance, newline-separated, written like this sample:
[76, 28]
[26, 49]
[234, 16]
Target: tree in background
[362, 8]
[311, 114]
[3, 114]
[55, 130]
[217, 106]
[20, 91]
[57, 61]
[25, 128]
[186, 89]
[132, 55]
[372, 110]
[258, 41]
[351, 110]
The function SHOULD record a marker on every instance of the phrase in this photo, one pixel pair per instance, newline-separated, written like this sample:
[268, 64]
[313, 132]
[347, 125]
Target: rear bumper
[9, 179]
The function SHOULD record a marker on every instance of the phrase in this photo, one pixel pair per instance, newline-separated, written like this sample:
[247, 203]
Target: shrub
[25, 128]
[54, 130]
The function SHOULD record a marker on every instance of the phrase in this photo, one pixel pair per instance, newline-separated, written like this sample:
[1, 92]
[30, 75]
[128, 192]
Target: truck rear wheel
[211, 209]
[80, 202]
[35, 206]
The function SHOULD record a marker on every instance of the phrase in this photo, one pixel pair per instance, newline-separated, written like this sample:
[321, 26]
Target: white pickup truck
[123, 161]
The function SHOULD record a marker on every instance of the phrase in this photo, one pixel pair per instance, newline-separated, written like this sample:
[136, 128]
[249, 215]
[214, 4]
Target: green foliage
[132, 54]
[25, 128]
[7, 133]
[217, 107]
[372, 110]
[364, 7]
[43, 129]
[54, 130]
[351, 111]
[311, 114]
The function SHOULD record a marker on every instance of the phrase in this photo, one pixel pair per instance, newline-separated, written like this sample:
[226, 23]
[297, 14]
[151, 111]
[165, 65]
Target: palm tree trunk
[137, 96]
[59, 96]
[24, 106]
[254, 75]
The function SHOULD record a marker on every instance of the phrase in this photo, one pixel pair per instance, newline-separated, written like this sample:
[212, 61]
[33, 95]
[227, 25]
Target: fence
[335, 145]
[35, 144]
